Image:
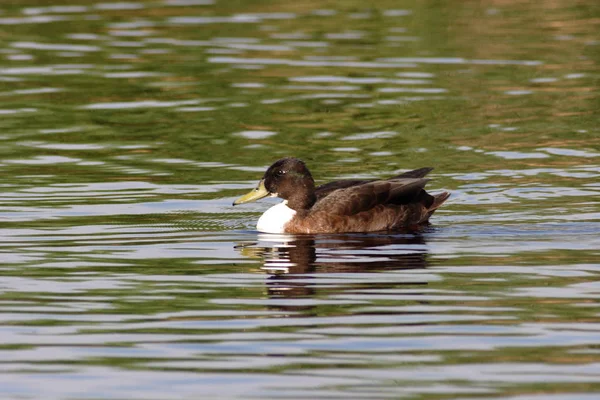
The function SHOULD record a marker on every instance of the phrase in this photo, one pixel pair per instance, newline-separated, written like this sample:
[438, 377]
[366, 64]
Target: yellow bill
[254, 195]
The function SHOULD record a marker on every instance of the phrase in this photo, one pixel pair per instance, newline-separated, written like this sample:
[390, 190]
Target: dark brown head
[288, 179]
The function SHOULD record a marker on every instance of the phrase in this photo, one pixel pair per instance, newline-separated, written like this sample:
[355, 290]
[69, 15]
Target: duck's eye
[280, 172]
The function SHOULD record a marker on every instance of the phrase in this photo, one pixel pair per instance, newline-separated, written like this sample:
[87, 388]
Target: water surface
[127, 129]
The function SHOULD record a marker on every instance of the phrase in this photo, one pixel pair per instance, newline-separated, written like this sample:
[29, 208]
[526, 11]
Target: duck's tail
[438, 200]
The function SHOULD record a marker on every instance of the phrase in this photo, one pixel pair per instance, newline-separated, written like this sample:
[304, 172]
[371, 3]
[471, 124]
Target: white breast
[274, 219]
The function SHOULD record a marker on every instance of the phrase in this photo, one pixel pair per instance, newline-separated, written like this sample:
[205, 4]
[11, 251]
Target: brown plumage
[390, 204]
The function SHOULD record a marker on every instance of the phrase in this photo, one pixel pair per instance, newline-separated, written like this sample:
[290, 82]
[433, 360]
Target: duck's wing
[363, 197]
[415, 173]
[327, 188]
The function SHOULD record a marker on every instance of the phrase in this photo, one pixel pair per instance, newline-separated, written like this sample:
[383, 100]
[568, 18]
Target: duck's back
[327, 188]
[382, 205]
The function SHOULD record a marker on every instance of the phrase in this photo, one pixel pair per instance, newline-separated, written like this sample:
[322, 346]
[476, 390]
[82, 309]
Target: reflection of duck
[301, 254]
[342, 206]
[291, 259]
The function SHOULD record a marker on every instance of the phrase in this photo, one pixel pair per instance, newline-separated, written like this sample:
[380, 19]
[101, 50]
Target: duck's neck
[302, 200]
[299, 191]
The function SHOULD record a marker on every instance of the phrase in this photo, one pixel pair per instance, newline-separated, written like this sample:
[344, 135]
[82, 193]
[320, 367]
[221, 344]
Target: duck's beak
[254, 195]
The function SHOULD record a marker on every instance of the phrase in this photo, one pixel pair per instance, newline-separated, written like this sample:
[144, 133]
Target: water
[127, 129]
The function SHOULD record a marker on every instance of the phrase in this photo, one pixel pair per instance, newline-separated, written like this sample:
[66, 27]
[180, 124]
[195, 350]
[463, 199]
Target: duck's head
[289, 179]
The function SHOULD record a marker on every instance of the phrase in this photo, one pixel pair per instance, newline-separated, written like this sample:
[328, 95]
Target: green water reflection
[126, 129]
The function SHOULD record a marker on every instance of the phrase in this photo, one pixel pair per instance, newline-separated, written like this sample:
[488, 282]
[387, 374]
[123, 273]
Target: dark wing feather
[355, 199]
[327, 188]
[415, 173]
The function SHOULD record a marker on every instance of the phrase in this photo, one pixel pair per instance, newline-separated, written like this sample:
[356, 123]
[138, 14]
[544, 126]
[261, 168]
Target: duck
[398, 203]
